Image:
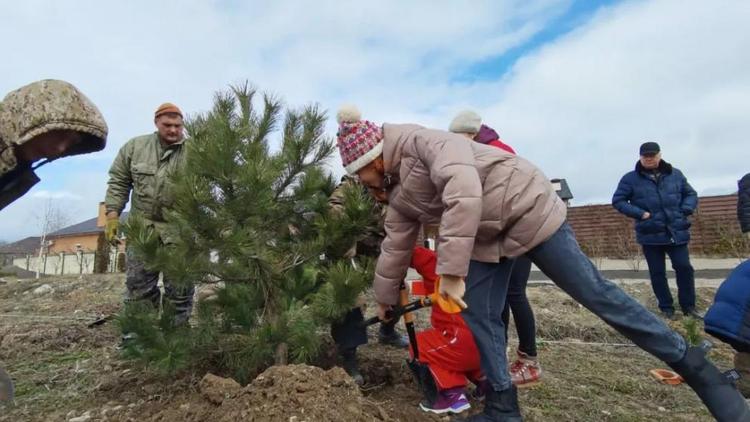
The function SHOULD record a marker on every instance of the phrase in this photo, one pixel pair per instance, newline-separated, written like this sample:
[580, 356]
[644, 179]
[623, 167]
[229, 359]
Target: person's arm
[395, 256]
[424, 261]
[689, 197]
[621, 200]
[120, 182]
[454, 175]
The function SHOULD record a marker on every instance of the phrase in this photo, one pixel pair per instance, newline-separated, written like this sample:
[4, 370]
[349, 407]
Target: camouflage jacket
[144, 167]
[36, 109]
[370, 245]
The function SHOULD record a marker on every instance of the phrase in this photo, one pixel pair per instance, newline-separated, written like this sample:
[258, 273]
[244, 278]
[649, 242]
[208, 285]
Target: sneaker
[393, 339]
[525, 371]
[452, 400]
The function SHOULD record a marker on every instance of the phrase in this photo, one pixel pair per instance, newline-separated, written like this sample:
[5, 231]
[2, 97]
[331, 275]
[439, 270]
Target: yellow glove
[110, 231]
[452, 287]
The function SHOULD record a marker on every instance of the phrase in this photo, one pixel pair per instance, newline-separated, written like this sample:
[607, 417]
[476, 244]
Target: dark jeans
[561, 259]
[518, 302]
[680, 257]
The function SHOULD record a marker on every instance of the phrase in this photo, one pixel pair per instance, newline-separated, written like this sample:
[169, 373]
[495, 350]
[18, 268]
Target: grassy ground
[63, 369]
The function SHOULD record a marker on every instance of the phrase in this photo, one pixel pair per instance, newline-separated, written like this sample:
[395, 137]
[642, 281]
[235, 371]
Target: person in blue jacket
[660, 200]
[743, 204]
[728, 319]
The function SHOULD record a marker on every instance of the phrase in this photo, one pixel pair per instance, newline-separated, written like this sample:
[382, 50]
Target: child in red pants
[448, 348]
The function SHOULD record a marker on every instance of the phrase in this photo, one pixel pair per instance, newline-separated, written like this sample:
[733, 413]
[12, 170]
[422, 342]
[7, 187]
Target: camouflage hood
[36, 109]
[44, 106]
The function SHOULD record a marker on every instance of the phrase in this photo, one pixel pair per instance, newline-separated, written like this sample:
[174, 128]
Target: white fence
[60, 264]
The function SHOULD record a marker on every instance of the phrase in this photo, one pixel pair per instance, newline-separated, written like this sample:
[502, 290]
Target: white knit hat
[466, 121]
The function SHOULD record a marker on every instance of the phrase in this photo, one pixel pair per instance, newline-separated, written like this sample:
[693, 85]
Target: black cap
[650, 148]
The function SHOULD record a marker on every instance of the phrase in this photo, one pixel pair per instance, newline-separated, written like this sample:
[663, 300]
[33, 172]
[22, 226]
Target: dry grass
[63, 369]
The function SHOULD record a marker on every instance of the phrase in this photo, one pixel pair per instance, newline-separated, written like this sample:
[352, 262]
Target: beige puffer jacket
[490, 204]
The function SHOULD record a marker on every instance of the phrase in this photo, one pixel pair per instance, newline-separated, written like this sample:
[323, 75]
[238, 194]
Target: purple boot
[452, 400]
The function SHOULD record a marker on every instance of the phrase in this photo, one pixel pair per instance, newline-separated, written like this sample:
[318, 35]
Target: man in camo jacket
[144, 166]
[44, 120]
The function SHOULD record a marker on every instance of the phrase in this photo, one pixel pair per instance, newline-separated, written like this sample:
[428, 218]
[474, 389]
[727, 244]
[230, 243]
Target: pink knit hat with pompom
[360, 142]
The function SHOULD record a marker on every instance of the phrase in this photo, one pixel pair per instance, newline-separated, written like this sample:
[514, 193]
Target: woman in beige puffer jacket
[492, 205]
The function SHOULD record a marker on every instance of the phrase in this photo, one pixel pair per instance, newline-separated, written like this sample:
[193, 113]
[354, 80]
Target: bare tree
[51, 218]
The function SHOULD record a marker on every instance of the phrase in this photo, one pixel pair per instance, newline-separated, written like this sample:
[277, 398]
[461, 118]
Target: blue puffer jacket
[669, 199]
[743, 203]
[728, 319]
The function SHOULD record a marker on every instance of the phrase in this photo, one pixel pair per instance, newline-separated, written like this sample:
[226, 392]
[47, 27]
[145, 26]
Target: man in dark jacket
[660, 200]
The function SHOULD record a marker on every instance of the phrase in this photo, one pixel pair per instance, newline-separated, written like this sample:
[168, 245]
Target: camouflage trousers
[142, 284]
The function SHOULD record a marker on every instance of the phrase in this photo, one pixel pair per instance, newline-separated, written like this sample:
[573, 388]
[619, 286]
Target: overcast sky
[573, 86]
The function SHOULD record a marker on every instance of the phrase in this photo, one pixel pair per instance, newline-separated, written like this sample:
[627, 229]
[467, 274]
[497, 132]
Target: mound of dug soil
[292, 393]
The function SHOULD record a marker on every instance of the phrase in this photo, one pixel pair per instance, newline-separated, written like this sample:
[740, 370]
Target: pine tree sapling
[255, 219]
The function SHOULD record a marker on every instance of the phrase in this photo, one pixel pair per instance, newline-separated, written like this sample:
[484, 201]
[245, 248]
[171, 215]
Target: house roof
[84, 227]
[562, 188]
[23, 246]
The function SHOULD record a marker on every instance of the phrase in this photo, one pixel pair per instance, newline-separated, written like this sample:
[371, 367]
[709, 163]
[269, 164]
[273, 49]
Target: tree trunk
[282, 354]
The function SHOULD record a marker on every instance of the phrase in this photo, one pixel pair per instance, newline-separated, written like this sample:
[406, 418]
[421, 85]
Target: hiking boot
[715, 389]
[525, 371]
[499, 406]
[482, 386]
[452, 400]
[692, 313]
[351, 366]
[391, 337]
[668, 314]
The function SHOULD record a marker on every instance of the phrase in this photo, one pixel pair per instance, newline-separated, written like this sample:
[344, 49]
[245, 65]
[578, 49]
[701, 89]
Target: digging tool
[405, 306]
[101, 320]
[421, 371]
[6, 387]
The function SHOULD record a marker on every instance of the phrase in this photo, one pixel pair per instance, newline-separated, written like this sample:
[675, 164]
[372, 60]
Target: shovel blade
[424, 379]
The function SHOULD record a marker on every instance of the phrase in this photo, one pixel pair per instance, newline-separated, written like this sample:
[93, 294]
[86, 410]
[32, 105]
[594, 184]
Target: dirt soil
[65, 371]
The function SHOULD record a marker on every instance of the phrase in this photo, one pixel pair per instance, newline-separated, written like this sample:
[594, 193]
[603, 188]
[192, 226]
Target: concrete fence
[61, 264]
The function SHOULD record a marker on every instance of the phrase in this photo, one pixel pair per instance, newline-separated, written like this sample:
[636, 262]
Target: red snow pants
[448, 348]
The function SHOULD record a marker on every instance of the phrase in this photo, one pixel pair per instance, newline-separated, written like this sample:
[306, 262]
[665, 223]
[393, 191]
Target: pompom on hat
[466, 121]
[359, 141]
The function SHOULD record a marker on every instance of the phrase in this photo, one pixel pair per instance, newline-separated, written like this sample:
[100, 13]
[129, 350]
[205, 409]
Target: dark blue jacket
[728, 318]
[669, 199]
[743, 203]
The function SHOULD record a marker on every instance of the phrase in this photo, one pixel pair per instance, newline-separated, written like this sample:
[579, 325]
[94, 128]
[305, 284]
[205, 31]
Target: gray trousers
[142, 285]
